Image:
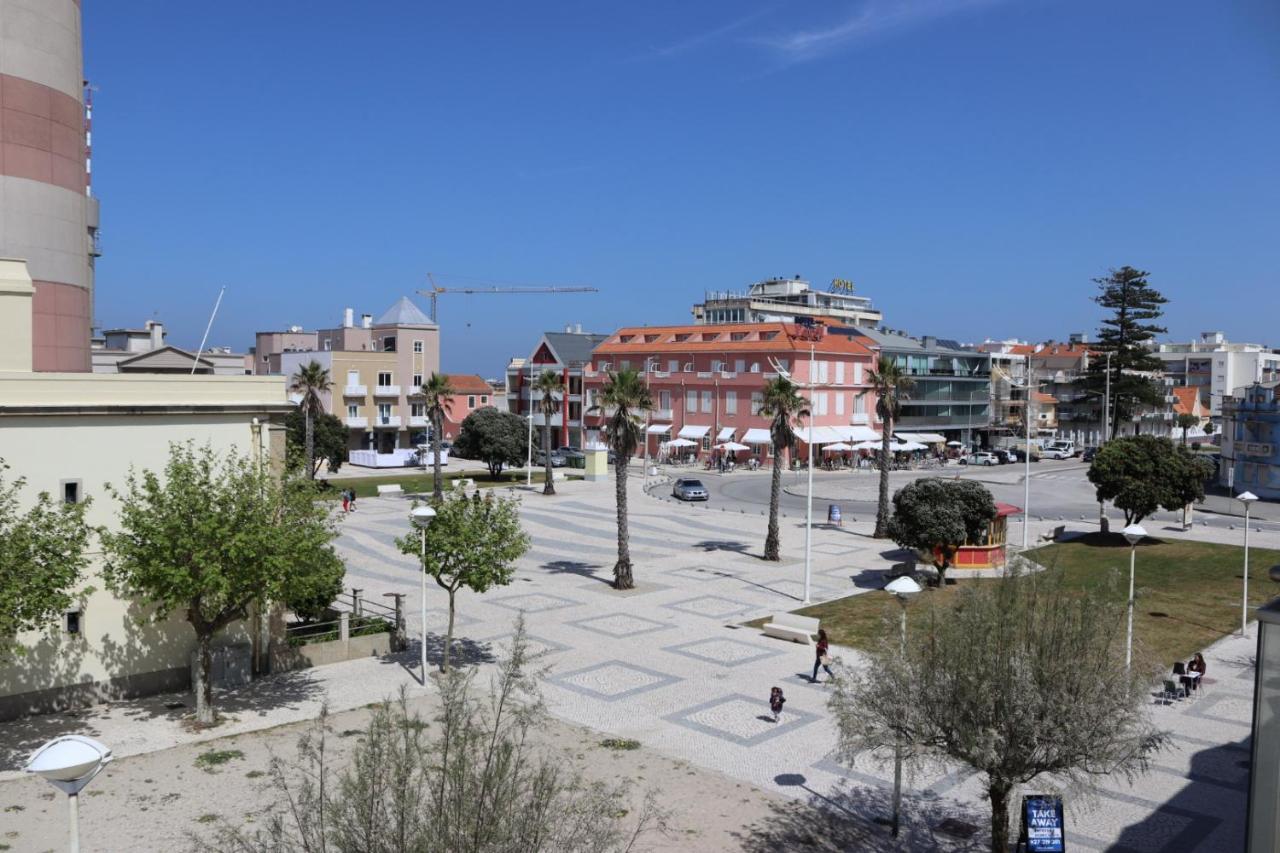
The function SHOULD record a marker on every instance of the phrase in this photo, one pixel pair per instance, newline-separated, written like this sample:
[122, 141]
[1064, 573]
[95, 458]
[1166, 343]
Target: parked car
[1089, 453]
[984, 458]
[1004, 457]
[689, 489]
[1058, 453]
[568, 451]
[557, 461]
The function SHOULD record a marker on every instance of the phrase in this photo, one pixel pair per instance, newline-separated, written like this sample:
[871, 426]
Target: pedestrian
[822, 657]
[351, 499]
[776, 701]
[346, 503]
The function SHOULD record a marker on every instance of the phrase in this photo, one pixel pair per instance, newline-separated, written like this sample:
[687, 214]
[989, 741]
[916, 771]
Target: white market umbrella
[909, 446]
[868, 445]
[680, 442]
[838, 447]
[954, 444]
[732, 447]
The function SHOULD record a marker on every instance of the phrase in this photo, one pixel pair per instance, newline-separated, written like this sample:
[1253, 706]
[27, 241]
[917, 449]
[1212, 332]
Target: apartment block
[1216, 367]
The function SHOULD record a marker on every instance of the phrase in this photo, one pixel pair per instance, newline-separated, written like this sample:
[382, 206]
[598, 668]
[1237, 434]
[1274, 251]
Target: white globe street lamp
[904, 589]
[1246, 498]
[422, 516]
[1133, 534]
[69, 763]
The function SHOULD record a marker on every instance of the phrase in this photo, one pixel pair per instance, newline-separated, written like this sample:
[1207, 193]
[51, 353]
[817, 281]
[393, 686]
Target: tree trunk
[437, 478]
[448, 637]
[204, 681]
[310, 440]
[622, 578]
[548, 488]
[772, 539]
[882, 509]
[998, 793]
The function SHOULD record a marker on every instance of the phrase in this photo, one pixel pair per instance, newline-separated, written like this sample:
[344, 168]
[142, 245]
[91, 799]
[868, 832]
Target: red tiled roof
[469, 383]
[1188, 400]
[720, 338]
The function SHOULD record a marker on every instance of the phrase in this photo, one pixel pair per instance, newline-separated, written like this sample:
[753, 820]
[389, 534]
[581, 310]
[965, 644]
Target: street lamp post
[422, 516]
[648, 417]
[808, 512]
[903, 589]
[528, 453]
[1246, 498]
[1133, 534]
[69, 763]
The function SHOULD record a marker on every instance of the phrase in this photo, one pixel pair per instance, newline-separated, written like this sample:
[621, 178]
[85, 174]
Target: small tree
[310, 380]
[623, 400]
[212, 537]
[551, 387]
[42, 555]
[782, 404]
[938, 516]
[473, 542]
[438, 398]
[494, 437]
[1142, 473]
[329, 437]
[475, 780]
[1186, 421]
[1021, 677]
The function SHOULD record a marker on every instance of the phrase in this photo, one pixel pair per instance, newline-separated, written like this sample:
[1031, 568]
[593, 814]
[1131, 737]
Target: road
[1060, 489]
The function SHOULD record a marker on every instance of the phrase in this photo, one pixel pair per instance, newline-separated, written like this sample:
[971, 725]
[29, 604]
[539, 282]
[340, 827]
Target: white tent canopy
[921, 437]
[820, 435]
[693, 431]
[838, 447]
[907, 446]
[732, 447]
[658, 429]
[756, 435]
[857, 433]
[725, 434]
[680, 442]
[868, 445]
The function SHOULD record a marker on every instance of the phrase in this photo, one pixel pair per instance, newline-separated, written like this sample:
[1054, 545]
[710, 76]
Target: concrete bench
[390, 489]
[1054, 535]
[788, 626]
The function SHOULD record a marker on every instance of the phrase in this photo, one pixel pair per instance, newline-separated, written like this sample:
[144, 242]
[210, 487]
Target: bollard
[356, 609]
[344, 626]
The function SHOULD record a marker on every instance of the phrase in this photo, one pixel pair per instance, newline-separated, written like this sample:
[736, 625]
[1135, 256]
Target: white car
[984, 458]
[1058, 453]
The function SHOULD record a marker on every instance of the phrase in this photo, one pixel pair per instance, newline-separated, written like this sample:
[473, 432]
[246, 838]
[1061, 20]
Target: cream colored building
[69, 434]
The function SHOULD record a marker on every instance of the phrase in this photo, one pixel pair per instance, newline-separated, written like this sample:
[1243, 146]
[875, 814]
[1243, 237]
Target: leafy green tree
[213, 536]
[42, 555]
[495, 437]
[550, 385]
[472, 542]
[782, 403]
[310, 380]
[937, 516]
[438, 397]
[891, 385]
[1185, 422]
[1142, 473]
[1021, 677]
[1133, 304]
[623, 400]
[329, 440]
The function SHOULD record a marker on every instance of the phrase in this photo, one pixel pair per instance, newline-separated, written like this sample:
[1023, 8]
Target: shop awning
[725, 434]
[755, 435]
[856, 434]
[921, 437]
[693, 431]
[658, 429]
[820, 435]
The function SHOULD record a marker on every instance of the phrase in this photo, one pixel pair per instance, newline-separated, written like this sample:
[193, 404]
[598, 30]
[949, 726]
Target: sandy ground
[163, 801]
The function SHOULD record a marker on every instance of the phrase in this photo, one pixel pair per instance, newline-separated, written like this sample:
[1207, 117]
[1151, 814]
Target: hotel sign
[841, 285]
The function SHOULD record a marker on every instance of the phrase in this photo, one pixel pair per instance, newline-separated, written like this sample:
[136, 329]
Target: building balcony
[387, 422]
[660, 415]
[357, 423]
[355, 391]
[418, 421]
[386, 391]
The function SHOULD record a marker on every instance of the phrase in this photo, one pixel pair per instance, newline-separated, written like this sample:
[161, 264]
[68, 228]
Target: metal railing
[353, 616]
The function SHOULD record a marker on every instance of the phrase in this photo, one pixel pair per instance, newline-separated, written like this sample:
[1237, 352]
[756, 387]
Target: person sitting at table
[1197, 666]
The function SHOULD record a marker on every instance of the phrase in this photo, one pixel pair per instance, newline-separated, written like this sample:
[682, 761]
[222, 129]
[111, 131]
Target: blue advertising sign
[1043, 826]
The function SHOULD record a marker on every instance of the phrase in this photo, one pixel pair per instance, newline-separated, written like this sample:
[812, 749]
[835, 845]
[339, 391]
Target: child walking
[776, 701]
[346, 502]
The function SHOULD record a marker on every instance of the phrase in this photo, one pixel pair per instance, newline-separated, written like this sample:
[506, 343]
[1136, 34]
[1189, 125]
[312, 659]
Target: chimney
[348, 318]
[366, 321]
[157, 333]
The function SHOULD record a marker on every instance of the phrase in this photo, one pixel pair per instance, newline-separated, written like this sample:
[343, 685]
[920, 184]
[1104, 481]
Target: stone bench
[390, 489]
[789, 626]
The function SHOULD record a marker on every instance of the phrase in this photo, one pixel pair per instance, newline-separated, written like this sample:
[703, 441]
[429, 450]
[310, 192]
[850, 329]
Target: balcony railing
[355, 391]
[386, 391]
[357, 423]
[418, 420]
[387, 421]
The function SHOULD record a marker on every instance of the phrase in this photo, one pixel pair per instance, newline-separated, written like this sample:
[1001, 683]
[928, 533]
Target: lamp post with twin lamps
[1246, 498]
[422, 516]
[1133, 534]
[904, 589]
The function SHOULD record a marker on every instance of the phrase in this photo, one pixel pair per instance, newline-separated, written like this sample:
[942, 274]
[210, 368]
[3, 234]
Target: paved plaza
[670, 664]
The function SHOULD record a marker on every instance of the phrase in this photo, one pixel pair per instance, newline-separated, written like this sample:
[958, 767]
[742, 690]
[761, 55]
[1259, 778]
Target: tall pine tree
[1133, 304]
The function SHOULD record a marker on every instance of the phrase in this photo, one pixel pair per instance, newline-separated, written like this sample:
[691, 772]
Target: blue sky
[969, 164]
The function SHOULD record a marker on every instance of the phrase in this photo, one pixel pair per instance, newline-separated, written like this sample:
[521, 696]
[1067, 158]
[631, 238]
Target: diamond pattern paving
[618, 625]
[740, 719]
[613, 680]
[723, 651]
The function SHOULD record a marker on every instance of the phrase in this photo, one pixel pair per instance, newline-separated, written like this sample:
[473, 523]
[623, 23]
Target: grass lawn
[415, 482]
[1188, 593]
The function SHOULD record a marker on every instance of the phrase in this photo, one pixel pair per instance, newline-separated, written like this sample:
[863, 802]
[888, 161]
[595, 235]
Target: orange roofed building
[707, 382]
[471, 392]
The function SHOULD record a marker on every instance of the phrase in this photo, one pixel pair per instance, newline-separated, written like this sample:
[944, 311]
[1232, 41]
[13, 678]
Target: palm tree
[310, 380]
[1186, 421]
[783, 403]
[437, 396]
[552, 389]
[890, 384]
[623, 400]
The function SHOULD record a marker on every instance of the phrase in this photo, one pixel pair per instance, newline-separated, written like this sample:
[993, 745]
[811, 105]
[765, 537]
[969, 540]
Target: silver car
[689, 489]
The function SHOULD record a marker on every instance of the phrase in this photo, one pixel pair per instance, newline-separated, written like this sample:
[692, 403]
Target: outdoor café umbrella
[681, 442]
[954, 444]
[732, 446]
[867, 445]
[838, 447]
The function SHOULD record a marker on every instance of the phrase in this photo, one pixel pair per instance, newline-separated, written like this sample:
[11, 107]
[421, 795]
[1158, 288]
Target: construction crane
[435, 291]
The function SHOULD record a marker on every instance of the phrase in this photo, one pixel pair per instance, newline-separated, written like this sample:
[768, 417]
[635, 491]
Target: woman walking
[822, 657]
